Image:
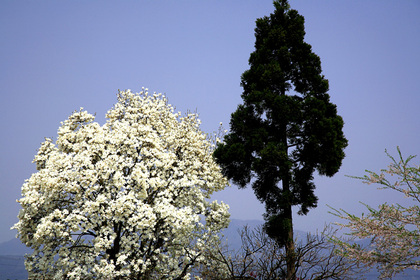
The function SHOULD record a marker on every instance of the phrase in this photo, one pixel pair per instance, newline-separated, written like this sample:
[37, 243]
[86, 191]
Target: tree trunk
[288, 216]
[289, 241]
[290, 247]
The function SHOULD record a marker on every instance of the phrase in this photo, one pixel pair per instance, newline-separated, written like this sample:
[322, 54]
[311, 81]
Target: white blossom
[127, 199]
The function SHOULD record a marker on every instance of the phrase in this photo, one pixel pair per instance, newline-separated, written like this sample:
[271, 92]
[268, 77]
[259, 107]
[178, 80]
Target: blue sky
[58, 56]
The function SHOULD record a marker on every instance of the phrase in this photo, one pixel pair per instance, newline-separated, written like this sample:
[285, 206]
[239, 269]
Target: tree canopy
[125, 200]
[393, 229]
[286, 128]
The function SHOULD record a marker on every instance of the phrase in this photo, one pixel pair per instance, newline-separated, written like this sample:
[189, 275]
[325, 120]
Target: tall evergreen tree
[286, 127]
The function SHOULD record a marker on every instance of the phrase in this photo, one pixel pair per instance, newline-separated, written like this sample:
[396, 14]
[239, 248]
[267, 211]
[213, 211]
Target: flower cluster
[129, 199]
[394, 229]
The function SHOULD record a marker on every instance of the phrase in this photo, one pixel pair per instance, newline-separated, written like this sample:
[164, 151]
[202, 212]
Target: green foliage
[286, 128]
[279, 227]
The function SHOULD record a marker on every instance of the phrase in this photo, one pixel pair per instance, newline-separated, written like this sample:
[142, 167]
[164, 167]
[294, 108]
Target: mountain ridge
[12, 252]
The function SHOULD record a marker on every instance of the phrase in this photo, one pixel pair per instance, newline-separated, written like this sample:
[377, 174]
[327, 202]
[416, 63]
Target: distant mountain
[12, 260]
[12, 253]
[12, 267]
[232, 236]
[13, 248]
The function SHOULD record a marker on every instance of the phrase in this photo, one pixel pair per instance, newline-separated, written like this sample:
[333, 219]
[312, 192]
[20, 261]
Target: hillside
[12, 253]
[12, 267]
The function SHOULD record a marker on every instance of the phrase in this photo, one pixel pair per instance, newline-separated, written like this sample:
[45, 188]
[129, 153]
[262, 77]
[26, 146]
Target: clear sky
[58, 56]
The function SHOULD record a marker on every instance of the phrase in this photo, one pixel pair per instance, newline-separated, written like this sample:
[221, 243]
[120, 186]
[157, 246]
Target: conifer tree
[286, 128]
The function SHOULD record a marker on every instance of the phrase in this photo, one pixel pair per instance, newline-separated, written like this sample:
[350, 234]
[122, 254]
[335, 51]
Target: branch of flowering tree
[393, 229]
[129, 199]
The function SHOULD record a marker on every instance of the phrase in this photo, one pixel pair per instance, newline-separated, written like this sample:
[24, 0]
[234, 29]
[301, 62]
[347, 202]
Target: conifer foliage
[286, 128]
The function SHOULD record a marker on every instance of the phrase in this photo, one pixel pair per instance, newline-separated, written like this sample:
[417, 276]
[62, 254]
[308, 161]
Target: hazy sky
[58, 56]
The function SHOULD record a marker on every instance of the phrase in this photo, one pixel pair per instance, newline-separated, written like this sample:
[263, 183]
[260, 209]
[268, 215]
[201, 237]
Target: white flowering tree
[394, 230]
[126, 200]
